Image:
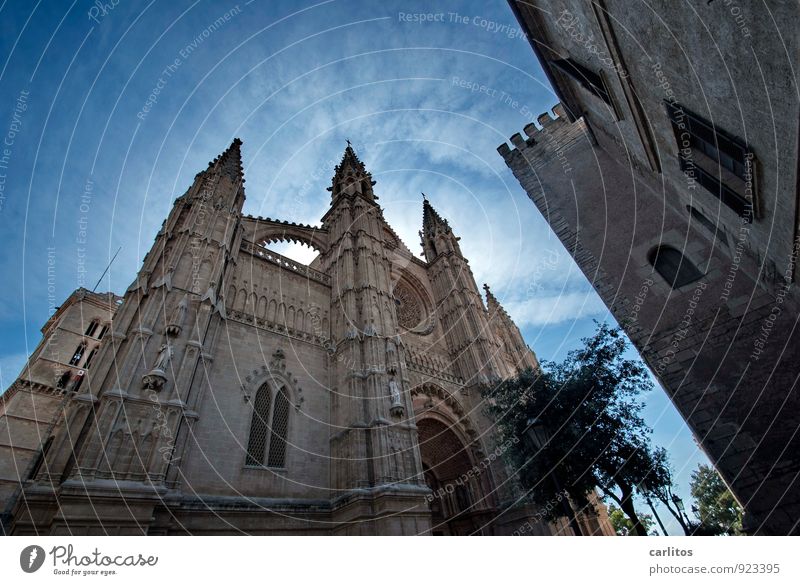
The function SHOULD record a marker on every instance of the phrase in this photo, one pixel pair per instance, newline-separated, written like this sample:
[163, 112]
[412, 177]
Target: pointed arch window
[90, 358]
[673, 266]
[76, 357]
[266, 445]
[92, 328]
[256, 446]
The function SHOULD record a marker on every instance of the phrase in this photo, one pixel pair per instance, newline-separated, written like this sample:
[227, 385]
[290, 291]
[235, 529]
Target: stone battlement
[551, 139]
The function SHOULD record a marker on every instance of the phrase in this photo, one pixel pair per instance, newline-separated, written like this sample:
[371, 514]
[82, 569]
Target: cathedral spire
[493, 305]
[229, 163]
[222, 183]
[515, 352]
[491, 301]
[437, 236]
[431, 220]
[351, 158]
[351, 177]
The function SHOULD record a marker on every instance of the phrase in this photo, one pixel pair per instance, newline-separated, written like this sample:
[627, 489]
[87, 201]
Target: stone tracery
[409, 308]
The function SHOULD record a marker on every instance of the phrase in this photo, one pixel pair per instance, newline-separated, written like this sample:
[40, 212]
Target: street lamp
[537, 436]
[681, 508]
[678, 503]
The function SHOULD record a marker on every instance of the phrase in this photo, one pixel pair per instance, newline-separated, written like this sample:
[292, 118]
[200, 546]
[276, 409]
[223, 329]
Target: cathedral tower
[458, 301]
[373, 443]
[132, 415]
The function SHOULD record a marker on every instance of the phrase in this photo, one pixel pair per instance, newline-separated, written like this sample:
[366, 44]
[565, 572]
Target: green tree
[715, 506]
[598, 439]
[623, 525]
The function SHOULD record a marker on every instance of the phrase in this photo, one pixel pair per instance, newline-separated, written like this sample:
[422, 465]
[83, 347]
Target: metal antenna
[106, 270]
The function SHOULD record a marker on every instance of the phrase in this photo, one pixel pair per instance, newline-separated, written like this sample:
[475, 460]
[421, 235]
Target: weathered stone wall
[611, 187]
[216, 460]
[740, 403]
[731, 63]
[25, 421]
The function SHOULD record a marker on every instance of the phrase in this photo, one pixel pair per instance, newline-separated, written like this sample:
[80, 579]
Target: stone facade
[234, 390]
[669, 172]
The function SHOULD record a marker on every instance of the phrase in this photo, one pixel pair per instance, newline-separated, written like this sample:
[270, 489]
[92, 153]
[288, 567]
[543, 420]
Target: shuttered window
[721, 163]
[590, 80]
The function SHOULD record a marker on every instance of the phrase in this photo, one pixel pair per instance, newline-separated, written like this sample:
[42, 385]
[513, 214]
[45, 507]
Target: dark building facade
[669, 171]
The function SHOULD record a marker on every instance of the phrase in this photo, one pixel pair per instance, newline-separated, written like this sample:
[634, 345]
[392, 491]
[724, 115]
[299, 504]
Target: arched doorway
[457, 505]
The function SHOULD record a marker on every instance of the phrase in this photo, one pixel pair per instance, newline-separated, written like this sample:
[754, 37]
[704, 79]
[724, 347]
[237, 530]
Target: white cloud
[550, 310]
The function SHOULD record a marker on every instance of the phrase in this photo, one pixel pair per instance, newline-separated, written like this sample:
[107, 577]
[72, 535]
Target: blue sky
[95, 162]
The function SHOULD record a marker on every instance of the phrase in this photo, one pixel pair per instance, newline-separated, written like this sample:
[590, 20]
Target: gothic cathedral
[232, 390]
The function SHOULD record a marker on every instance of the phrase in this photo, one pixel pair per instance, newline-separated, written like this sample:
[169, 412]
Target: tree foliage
[590, 405]
[623, 525]
[718, 511]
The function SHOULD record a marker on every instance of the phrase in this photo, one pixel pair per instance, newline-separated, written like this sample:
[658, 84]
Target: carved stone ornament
[175, 325]
[409, 310]
[154, 380]
[397, 408]
[157, 377]
[275, 373]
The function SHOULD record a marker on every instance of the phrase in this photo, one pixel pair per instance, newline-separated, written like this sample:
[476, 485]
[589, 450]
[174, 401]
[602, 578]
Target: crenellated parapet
[551, 139]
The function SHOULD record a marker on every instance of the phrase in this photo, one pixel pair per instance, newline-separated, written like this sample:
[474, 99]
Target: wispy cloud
[550, 310]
